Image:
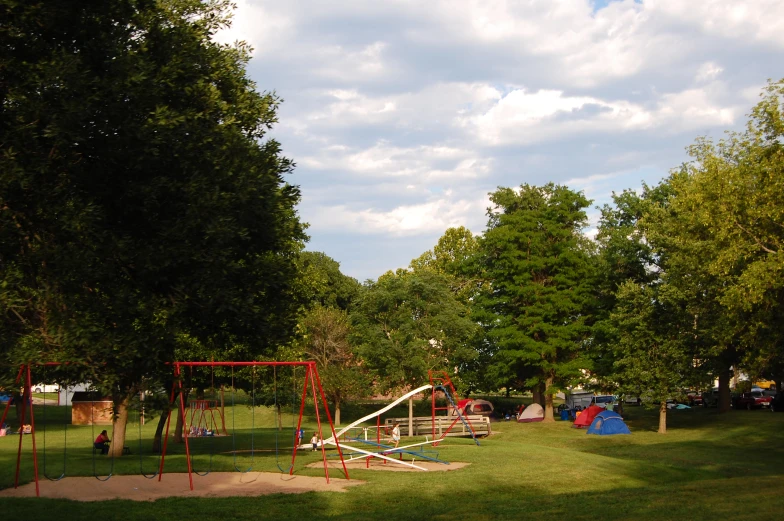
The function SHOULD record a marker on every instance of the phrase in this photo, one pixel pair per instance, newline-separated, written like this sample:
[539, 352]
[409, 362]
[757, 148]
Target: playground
[534, 470]
[211, 445]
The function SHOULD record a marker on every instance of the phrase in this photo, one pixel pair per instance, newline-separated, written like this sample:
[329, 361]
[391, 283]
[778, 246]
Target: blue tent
[608, 422]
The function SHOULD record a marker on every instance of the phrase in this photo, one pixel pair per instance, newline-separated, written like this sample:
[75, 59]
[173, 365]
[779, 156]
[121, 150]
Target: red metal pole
[318, 421]
[299, 422]
[238, 364]
[185, 435]
[26, 396]
[176, 374]
[329, 418]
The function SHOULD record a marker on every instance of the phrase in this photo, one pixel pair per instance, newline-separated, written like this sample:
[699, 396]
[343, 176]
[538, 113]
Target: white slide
[406, 396]
[379, 412]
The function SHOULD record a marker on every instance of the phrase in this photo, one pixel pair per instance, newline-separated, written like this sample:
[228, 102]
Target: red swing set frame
[312, 382]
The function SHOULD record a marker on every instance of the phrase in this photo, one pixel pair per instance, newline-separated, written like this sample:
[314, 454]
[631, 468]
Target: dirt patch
[215, 484]
[379, 464]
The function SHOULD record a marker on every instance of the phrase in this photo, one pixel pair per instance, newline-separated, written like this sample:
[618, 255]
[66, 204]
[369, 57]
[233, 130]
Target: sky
[403, 115]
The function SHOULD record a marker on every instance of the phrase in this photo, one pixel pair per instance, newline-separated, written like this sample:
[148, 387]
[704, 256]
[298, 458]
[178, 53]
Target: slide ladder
[439, 380]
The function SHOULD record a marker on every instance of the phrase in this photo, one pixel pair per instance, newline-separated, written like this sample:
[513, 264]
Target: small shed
[67, 392]
[90, 408]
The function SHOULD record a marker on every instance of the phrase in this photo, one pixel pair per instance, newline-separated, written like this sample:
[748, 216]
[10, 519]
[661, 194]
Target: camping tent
[586, 417]
[477, 406]
[473, 406]
[532, 413]
[608, 422]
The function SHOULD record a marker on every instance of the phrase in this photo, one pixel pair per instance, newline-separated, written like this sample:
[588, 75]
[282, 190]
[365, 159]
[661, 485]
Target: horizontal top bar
[182, 363]
[240, 364]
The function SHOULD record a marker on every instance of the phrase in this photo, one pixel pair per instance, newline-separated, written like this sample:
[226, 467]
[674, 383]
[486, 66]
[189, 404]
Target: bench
[423, 425]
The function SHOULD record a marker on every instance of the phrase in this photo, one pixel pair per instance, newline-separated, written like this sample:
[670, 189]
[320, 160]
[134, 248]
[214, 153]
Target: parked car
[751, 400]
[5, 396]
[710, 398]
[764, 384]
[44, 388]
[777, 403]
[605, 400]
[693, 398]
[578, 399]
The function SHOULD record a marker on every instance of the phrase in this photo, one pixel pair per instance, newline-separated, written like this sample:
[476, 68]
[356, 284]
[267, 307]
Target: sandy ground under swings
[215, 484]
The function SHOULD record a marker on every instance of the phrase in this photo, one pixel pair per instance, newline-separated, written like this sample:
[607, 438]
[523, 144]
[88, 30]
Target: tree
[539, 268]
[455, 258]
[653, 351]
[325, 339]
[139, 199]
[723, 228]
[323, 283]
[627, 251]
[408, 323]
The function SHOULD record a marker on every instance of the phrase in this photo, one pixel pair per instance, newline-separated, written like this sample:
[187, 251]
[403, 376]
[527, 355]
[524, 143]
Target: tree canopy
[539, 270]
[139, 197]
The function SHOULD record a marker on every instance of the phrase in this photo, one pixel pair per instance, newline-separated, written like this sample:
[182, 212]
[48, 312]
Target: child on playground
[102, 442]
[396, 434]
[314, 441]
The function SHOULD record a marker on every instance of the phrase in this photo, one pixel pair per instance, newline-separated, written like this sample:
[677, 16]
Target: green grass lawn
[709, 466]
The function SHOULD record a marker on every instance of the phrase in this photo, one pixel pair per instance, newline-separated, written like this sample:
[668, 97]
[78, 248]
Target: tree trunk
[179, 429]
[119, 423]
[337, 413]
[157, 441]
[663, 417]
[724, 390]
[536, 391]
[548, 400]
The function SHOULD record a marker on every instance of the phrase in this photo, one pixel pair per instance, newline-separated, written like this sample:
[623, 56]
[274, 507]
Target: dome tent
[586, 417]
[532, 413]
[607, 423]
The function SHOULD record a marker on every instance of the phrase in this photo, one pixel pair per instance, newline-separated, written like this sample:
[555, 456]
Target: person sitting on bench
[102, 442]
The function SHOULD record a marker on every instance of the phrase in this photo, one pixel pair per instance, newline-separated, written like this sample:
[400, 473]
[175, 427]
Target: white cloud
[265, 28]
[531, 117]
[760, 20]
[432, 216]
[384, 161]
[402, 115]
[708, 71]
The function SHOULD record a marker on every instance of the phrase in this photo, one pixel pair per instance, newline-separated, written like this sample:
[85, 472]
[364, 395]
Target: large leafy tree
[725, 234]
[322, 282]
[539, 268]
[455, 258]
[325, 338]
[626, 252]
[654, 346]
[139, 199]
[407, 323]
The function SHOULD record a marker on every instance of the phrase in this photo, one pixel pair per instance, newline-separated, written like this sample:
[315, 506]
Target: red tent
[587, 416]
